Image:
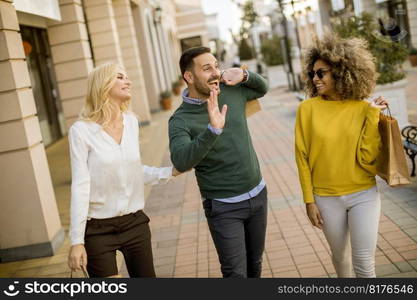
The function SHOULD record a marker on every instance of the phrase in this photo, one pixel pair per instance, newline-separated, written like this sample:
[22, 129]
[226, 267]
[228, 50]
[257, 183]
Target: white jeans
[356, 215]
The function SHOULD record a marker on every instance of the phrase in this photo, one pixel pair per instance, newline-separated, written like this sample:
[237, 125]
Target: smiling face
[120, 91]
[325, 85]
[203, 76]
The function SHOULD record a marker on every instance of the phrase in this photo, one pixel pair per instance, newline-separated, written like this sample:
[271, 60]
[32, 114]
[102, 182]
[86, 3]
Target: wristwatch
[245, 73]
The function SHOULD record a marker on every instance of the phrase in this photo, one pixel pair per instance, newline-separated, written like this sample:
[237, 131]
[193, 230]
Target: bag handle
[84, 272]
[388, 110]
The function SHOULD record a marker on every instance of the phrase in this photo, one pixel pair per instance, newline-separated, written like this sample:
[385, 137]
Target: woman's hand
[379, 102]
[314, 215]
[77, 258]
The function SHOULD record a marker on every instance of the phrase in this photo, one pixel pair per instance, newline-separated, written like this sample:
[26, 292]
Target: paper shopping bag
[391, 163]
[252, 107]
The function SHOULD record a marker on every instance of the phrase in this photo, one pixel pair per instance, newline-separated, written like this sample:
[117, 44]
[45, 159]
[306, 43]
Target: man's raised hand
[217, 118]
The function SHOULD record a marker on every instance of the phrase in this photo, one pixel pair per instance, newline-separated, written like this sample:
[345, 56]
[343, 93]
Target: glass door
[39, 63]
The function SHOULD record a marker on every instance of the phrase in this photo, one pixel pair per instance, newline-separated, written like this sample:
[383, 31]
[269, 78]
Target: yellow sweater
[336, 145]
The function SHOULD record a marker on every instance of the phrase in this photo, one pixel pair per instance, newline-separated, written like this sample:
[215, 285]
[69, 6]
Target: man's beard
[203, 89]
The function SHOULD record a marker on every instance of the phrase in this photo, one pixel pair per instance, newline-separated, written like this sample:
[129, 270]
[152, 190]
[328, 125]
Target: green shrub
[245, 51]
[413, 51]
[165, 94]
[176, 84]
[389, 54]
[271, 51]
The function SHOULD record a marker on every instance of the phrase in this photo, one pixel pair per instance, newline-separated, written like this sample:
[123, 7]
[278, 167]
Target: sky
[228, 16]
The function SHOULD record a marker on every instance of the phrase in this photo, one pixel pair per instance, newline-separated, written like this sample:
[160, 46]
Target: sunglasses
[320, 73]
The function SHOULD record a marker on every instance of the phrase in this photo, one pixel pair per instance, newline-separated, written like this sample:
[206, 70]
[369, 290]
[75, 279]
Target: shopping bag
[75, 274]
[85, 275]
[252, 107]
[391, 162]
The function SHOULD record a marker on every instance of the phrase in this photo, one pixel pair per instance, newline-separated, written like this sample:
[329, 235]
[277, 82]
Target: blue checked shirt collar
[190, 100]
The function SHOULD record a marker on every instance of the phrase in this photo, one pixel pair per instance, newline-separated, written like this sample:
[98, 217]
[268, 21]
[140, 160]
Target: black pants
[238, 232]
[130, 234]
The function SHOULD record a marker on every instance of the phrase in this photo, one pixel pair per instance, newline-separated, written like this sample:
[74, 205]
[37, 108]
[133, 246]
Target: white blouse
[107, 178]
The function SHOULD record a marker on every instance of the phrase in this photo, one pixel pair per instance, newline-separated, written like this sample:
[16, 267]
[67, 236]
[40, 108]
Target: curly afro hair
[352, 64]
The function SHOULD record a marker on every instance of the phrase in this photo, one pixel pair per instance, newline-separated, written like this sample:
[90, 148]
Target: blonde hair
[352, 64]
[98, 104]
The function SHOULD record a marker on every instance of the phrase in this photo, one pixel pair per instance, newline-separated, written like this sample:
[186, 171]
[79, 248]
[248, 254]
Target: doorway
[42, 77]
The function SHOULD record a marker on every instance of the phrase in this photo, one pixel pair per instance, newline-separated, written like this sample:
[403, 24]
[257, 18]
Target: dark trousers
[129, 234]
[238, 232]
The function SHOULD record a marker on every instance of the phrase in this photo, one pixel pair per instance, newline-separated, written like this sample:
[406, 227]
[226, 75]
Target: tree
[389, 54]
[271, 51]
[249, 18]
[245, 51]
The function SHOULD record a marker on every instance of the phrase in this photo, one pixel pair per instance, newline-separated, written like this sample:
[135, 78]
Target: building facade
[192, 25]
[47, 49]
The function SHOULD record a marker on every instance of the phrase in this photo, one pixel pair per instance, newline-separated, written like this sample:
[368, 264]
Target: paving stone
[404, 266]
[385, 270]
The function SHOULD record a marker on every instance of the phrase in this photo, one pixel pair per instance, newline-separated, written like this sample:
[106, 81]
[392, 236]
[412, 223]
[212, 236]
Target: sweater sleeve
[369, 141]
[301, 158]
[255, 87]
[80, 186]
[187, 152]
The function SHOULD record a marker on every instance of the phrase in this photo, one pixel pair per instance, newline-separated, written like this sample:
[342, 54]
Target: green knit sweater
[225, 165]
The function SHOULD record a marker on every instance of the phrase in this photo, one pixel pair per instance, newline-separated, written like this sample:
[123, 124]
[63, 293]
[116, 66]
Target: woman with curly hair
[336, 146]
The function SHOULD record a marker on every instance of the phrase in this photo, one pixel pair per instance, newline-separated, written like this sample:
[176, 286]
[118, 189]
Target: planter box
[277, 77]
[166, 103]
[413, 60]
[395, 94]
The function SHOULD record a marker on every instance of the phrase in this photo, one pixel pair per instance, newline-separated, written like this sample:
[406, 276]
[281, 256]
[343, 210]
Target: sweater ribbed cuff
[308, 197]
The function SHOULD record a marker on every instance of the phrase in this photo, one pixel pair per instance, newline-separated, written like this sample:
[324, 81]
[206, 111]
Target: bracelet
[245, 72]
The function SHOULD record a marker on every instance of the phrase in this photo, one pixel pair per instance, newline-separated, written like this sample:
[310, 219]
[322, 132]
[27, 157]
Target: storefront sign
[44, 8]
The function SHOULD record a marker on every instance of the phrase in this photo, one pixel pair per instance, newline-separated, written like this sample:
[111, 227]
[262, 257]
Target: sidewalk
[181, 240]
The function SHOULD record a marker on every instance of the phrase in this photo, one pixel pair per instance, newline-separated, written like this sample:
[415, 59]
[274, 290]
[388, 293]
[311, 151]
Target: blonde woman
[107, 192]
[337, 143]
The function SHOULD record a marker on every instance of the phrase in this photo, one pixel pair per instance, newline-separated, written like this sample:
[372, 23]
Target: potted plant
[413, 57]
[176, 87]
[389, 57]
[181, 80]
[166, 100]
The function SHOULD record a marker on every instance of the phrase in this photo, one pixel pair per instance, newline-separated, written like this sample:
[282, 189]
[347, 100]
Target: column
[412, 19]
[71, 56]
[103, 31]
[29, 220]
[131, 59]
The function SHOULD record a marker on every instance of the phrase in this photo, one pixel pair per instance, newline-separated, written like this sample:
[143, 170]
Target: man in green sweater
[217, 144]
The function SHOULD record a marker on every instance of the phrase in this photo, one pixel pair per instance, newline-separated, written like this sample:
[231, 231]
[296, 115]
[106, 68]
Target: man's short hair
[186, 60]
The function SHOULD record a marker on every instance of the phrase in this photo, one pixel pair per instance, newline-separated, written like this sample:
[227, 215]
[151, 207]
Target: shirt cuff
[216, 131]
[165, 175]
[75, 240]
